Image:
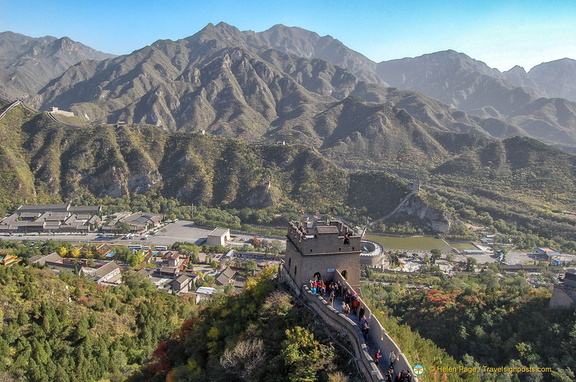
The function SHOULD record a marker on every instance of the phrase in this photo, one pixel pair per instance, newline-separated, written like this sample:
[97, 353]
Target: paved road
[186, 231]
[181, 230]
[512, 257]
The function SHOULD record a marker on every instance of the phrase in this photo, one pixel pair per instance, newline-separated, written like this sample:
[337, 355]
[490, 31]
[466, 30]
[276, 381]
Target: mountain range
[442, 115]
[271, 85]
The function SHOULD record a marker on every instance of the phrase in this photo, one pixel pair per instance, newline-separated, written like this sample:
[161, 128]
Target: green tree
[81, 329]
[436, 253]
[304, 356]
[123, 228]
[470, 264]
[393, 259]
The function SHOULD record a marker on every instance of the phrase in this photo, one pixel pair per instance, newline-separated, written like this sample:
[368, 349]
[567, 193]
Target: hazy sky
[500, 33]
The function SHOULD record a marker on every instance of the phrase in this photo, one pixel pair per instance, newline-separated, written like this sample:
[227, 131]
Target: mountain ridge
[27, 63]
[46, 160]
[471, 86]
[197, 83]
[224, 83]
[164, 84]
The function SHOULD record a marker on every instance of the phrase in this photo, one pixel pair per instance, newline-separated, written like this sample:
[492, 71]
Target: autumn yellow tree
[75, 253]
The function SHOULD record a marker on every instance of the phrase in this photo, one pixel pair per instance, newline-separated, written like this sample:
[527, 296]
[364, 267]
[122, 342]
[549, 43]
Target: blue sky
[500, 33]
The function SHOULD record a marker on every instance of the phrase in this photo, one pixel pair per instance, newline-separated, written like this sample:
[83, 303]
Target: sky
[501, 33]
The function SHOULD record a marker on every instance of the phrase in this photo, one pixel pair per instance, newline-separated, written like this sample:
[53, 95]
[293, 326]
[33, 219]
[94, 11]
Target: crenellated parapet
[317, 249]
[325, 237]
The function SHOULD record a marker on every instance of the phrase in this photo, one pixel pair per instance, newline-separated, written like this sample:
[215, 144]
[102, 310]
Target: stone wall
[378, 334]
[350, 328]
[322, 253]
[344, 325]
[324, 237]
[65, 113]
[326, 265]
[285, 277]
[333, 250]
[562, 297]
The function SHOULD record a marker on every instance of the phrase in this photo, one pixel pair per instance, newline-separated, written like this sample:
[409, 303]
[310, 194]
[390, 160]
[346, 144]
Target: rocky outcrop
[115, 183]
[112, 183]
[140, 183]
[416, 210]
[263, 196]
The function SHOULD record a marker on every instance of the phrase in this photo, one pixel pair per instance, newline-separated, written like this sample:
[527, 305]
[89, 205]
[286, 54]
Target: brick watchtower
[322, 247]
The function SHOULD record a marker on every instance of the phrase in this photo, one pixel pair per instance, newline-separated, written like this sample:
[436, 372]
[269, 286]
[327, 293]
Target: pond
[464, 246]
[412, 243]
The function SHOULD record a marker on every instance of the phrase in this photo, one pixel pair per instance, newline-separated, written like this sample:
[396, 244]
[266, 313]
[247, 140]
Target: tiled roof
[105, 269]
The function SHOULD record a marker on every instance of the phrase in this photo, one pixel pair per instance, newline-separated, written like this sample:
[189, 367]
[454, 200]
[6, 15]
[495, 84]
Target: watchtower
[564, 293]
[322, 247]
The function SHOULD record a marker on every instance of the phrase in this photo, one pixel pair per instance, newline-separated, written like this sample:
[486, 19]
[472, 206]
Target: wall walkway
[349, 326]
[13, 104]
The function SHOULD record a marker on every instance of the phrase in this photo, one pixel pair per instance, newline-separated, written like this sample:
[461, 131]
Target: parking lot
[181, 230]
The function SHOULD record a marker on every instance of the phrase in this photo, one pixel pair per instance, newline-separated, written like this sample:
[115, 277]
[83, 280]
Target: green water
[410, 243]
[464, 246]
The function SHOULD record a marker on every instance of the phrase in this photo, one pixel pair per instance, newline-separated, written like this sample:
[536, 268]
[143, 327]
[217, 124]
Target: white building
[218, 236]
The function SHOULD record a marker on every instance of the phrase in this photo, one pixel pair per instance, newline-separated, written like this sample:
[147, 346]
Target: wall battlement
[322, 247]
[320, 238]
[564, 293]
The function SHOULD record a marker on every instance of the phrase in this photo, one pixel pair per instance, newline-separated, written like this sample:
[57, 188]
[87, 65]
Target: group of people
[391, 358]
[318, 286]
[351, 304]
[403, 376]
[364, 326]
[352, 300]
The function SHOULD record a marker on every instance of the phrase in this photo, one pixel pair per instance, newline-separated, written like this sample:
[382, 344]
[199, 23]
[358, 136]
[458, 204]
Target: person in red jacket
[377, 357]
[355, 305]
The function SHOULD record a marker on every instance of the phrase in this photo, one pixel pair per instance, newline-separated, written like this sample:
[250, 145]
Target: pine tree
[81, 329]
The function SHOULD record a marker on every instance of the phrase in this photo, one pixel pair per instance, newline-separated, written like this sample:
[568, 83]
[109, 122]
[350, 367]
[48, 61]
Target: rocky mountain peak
[556, 78]
[517, 70]
[28, 64]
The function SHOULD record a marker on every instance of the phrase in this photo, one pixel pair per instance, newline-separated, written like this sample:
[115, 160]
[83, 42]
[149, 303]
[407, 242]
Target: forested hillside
[45, 161]
[486, 319]
[68, 328]
[517, 186]
[260, 335]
